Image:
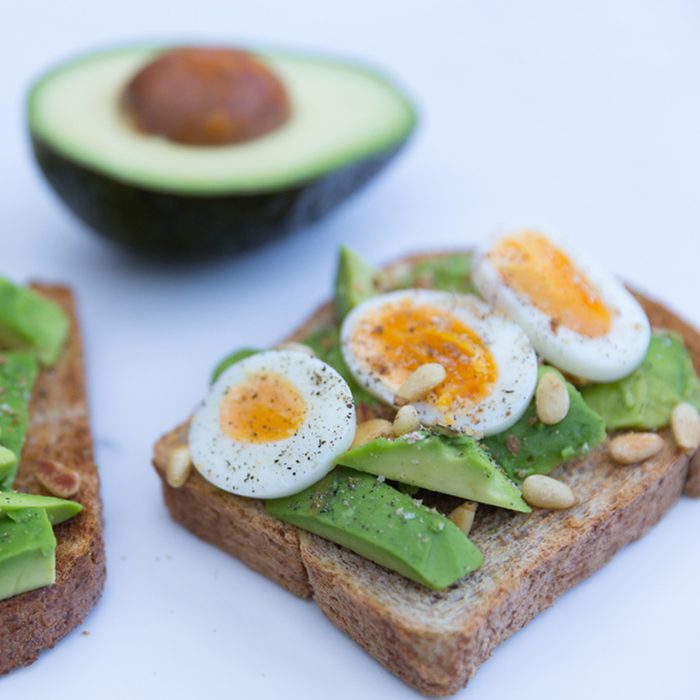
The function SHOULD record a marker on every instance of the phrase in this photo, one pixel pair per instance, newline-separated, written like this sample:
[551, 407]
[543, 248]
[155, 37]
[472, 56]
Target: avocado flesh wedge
[27, 552]
[57, 510]
[374, 520]
[151, 194]
[456, 466]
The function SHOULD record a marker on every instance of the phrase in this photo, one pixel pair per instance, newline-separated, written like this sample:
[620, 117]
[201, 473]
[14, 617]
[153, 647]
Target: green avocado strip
[57, 510]
[531, 447]
[447, 273]
[355, 281]
[29, 321]
[644, 399]
[374, 520]
[453, 465]
[18, 372]
[27, 552]
[231, 359]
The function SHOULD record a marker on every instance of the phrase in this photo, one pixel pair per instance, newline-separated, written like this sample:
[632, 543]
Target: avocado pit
[206, 97]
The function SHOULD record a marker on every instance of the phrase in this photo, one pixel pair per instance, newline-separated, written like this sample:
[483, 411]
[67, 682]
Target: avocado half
[158, 196]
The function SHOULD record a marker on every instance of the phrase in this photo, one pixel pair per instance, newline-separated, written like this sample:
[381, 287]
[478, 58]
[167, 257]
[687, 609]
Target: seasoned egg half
[490, 365]
[272, 425]
[577, 315]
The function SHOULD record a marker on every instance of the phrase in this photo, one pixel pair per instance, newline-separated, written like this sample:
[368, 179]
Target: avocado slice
[57, 509]
[29, 321]
[8, 461]
[231, 359]
[346, 123]
[531, 447]
[645, 398]
[451, 465]
[355, 281]
[18, 371]
[27, 552]
[446, 273]
[378, 522]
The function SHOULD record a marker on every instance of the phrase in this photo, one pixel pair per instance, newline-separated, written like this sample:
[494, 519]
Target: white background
[583, 118]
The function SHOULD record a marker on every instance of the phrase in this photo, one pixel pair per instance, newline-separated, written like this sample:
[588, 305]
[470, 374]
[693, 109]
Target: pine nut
[685, 424]
[56, 478]
[371, 430]
[179, 466]
[463, 516]
[551, 399]
[635, 447]
[420, 382]
[296, 347]
[542, 491]
[406, 420]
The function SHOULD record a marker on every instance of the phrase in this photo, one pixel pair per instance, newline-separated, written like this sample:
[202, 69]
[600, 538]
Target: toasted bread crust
[239, 526]
[58, 430]
[436, 641]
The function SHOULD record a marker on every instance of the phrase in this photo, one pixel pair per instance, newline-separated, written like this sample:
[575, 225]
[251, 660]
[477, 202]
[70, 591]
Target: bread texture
[435, 641]
[58, 430]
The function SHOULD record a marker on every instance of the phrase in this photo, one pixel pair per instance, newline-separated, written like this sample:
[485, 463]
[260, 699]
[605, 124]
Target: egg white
[283, 467]
[512, 351]
[600, 359]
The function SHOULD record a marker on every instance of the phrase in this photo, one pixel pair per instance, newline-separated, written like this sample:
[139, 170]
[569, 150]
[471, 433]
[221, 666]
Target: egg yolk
[397, 338]
[532, 266]
[266, 407]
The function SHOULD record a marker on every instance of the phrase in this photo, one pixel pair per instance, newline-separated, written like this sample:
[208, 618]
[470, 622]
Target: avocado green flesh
[447, 273]
[340, 114]
[27, 552]
[18, 373]
[57, 509]
[355, 281]
[369, 517]
[29, 321]
[231, 359]
[8, 461]
[531, 447]
[644, 399]
[453, 465]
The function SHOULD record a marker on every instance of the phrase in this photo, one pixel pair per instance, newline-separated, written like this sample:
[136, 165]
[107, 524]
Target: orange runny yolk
[397, 338]
[533, 267]
[266, 407]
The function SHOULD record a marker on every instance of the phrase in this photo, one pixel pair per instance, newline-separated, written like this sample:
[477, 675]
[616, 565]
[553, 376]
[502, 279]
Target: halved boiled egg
[272, 425]
[490, 365]
[577, 315]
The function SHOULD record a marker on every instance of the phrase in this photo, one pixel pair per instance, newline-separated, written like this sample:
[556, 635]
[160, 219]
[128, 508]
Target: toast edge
[59, 429]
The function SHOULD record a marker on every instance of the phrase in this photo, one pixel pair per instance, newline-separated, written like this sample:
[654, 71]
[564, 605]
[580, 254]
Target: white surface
[581, 120]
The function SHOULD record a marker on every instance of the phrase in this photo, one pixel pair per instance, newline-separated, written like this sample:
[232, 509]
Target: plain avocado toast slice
[434, 632]
[52, 564]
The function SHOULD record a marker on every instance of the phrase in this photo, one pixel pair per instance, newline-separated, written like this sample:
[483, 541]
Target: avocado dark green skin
[177, 225]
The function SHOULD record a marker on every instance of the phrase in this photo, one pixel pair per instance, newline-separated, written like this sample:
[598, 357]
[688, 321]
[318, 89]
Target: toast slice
[435, 641]
[58, 430]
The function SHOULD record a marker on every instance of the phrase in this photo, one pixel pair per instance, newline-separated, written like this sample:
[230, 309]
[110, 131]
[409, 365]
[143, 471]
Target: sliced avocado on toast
[18, 372]
[380, 523]
[645, 398]
[452, 465]
[51, 573]
[531, 447]
[29, 321]
[355, 281]
[27, 551]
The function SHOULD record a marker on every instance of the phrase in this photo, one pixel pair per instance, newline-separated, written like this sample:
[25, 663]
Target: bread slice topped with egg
[440, 452]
